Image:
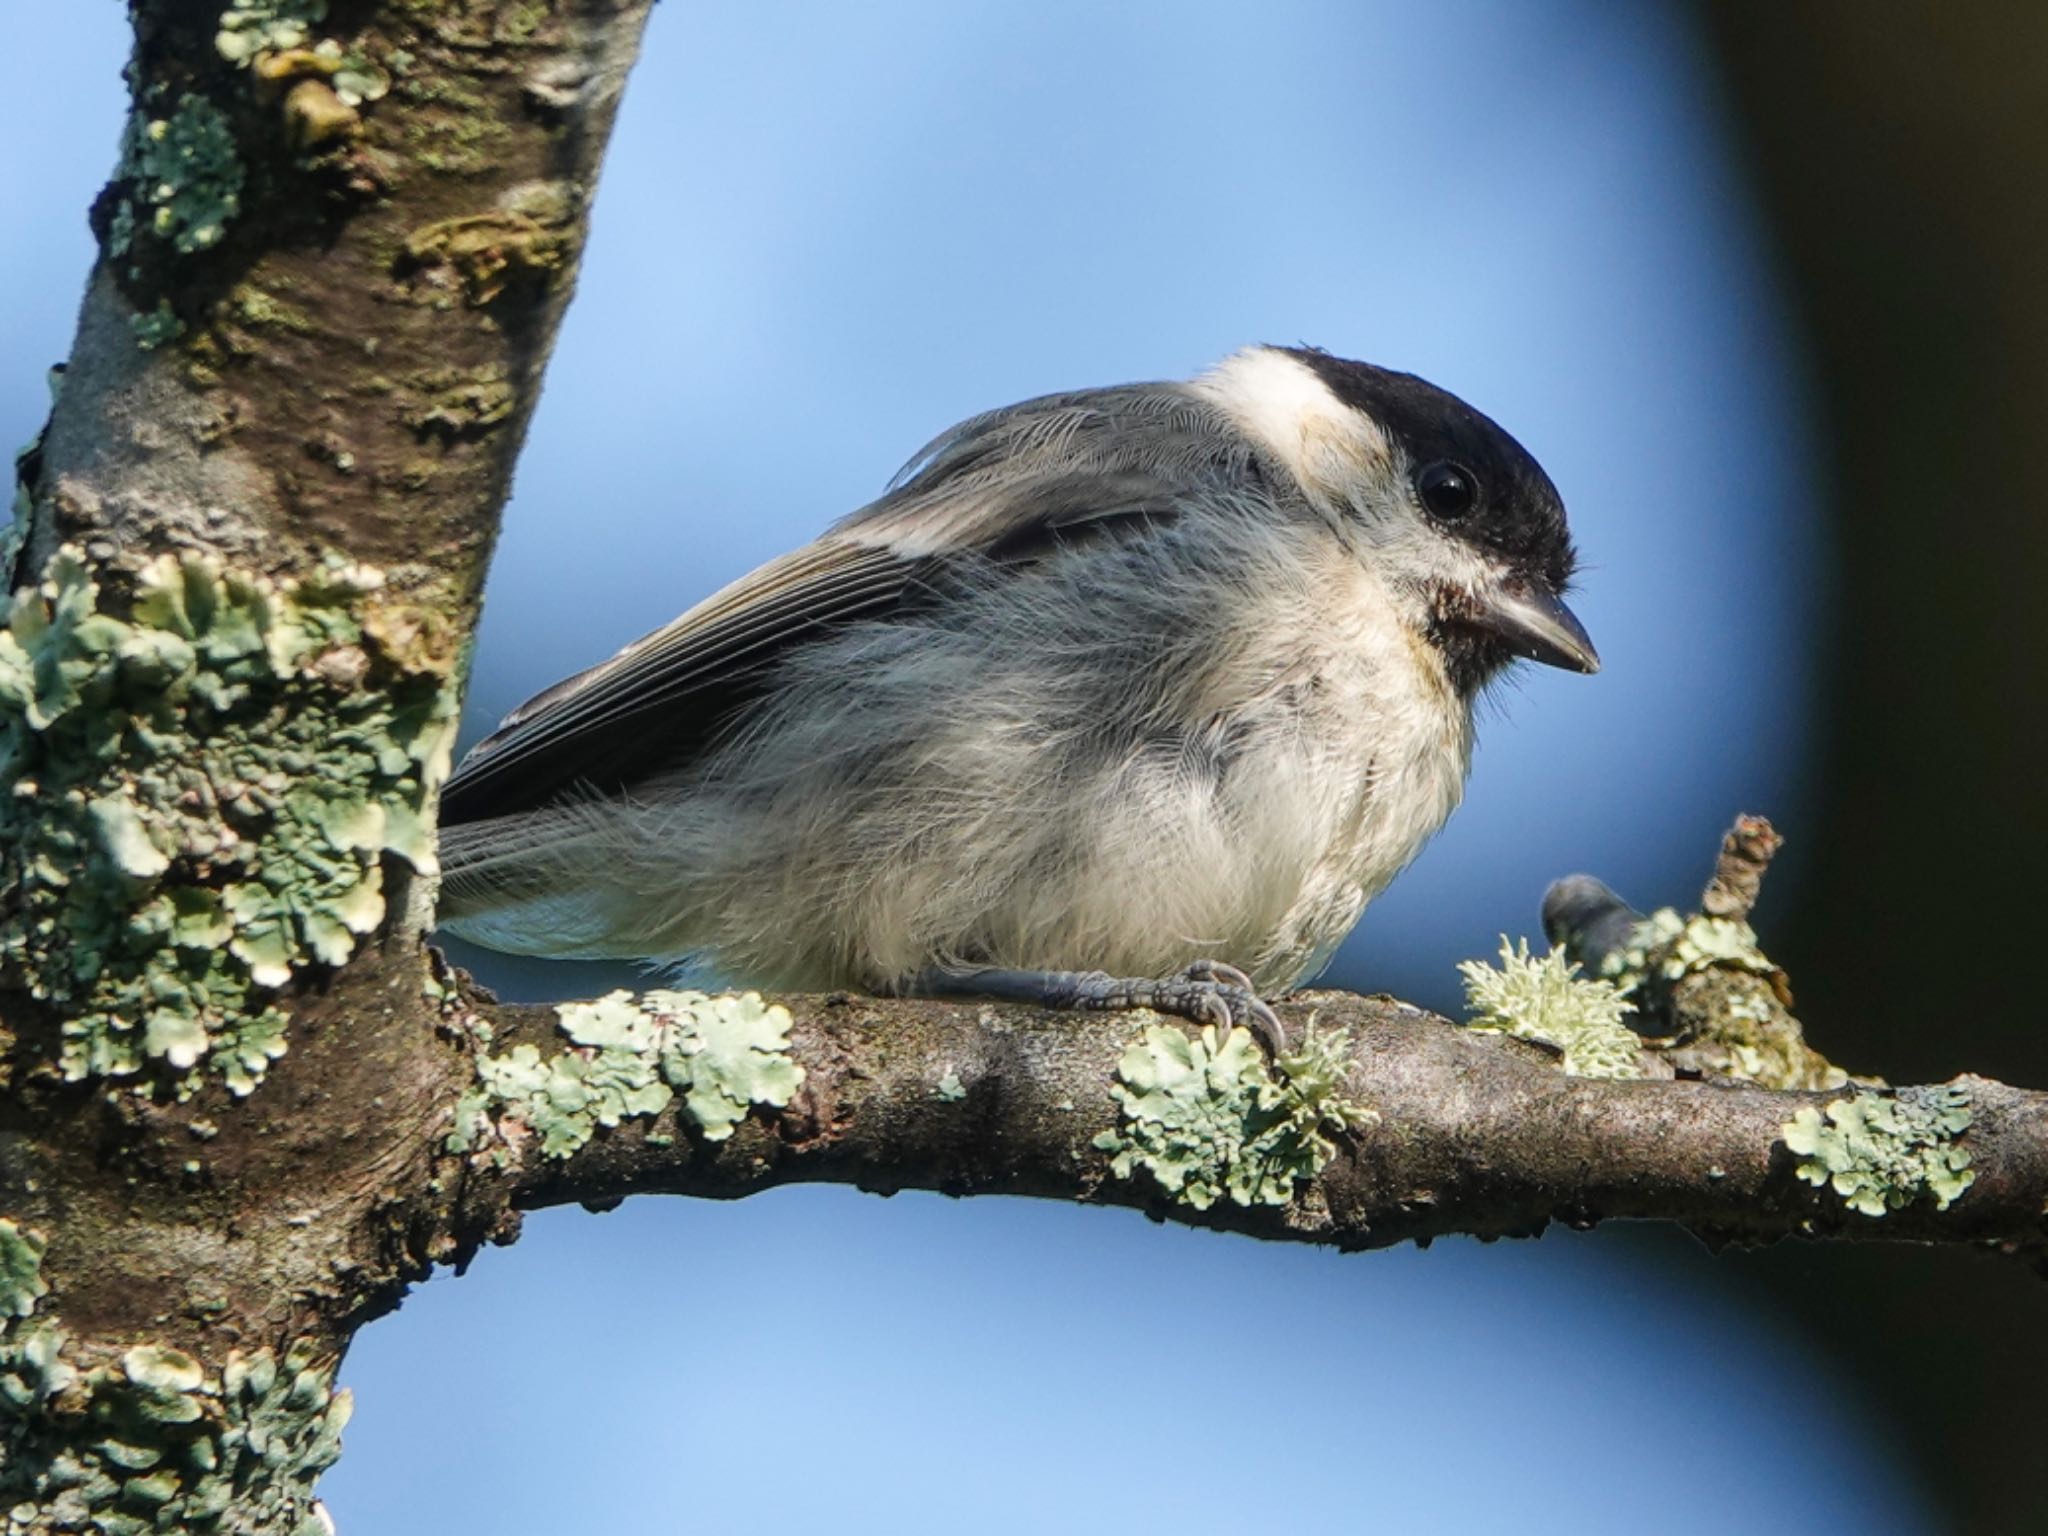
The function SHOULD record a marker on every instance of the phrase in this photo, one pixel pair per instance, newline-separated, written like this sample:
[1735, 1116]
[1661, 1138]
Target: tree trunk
[334, 257]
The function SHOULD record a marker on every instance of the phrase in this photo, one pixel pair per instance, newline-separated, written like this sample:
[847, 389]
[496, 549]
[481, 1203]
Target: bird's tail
[520, 884]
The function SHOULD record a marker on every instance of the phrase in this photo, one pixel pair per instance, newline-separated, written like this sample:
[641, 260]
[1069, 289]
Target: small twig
[1706, 995]
[1739, 872]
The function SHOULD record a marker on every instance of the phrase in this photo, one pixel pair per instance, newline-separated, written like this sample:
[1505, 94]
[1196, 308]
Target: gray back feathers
[1005, 486]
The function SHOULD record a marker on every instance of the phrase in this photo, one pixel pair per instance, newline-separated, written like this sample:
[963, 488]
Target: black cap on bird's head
[1476, 484]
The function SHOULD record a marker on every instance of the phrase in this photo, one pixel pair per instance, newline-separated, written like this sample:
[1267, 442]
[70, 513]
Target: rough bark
[244, 1107]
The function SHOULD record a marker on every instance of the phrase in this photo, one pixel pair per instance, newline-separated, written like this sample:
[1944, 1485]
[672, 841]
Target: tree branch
[1475, 1133]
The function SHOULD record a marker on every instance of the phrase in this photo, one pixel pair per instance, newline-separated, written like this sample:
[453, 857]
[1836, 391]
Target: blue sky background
[827, 231]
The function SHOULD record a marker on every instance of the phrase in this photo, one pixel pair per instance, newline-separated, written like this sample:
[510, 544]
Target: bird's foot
[1207, 992]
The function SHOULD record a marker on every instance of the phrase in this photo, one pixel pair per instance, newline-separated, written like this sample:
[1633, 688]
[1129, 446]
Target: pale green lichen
[355, 79]
[1208, 1119]
[21, 1270]
[632, 1056]
[1666, 947]
[154, 1441]
[205, 781]
[1882, 1152]
[734, 1053]
[950, 1089]
[155, 327]
[31, 1368]
[358, 81]
[1544, 998]
[185, 177]
[252, 27]
[254, 33]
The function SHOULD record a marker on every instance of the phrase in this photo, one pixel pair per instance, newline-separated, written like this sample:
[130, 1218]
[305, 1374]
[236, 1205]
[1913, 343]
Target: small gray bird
[1110, 694]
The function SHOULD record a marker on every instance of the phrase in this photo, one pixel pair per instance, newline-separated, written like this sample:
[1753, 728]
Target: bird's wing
[621, 719]
[1007, 488]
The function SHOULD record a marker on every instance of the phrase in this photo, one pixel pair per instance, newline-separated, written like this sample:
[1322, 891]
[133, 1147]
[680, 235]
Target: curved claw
[1209, 992]
[1242, 1002]
[1217, 970]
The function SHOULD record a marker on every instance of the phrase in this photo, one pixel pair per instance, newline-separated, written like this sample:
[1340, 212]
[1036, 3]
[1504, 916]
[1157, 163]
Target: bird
[1120, 697]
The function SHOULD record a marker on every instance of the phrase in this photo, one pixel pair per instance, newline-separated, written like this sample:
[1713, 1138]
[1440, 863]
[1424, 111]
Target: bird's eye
[1448, 490]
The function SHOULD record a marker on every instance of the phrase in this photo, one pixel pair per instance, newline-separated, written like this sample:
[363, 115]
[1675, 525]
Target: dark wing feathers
[650, 704]
[1010, 487]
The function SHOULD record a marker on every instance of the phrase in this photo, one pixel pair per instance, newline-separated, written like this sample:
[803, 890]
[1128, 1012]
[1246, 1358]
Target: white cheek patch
[1431, 561]
[1345, 460]
[1279, 401]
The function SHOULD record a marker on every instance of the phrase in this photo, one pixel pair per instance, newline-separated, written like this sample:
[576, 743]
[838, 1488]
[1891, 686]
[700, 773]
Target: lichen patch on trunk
[209, 771]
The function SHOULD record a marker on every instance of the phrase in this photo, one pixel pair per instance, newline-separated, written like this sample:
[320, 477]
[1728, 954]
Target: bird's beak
[1533, 621]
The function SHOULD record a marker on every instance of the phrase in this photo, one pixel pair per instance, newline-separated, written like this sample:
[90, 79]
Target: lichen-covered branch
[1409, 1127]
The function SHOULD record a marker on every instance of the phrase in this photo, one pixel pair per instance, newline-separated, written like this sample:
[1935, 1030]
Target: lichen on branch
[1881, 1152]
[1209, 1119]
[244, 572]
[1545, 999]
[629, 1058]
